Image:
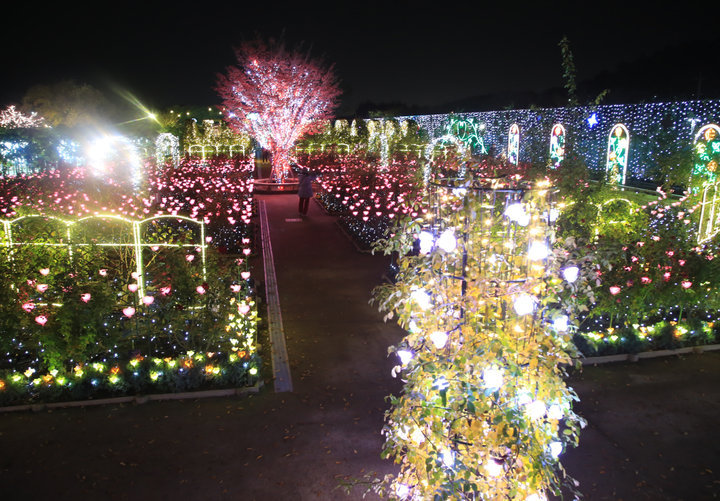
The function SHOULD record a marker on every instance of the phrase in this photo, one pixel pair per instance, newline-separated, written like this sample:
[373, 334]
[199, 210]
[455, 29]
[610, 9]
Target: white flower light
[570, 273]
[555, 449]
[515, 212]
[538, 250]
[493, 468]
[439, 338]
[536, 409]
[524, 304]
[426, 242]
[402, 491]
[448, 458]
[405, 356]
[447, 240]
[561, 323]
[417, 436]
[524, 219]
[555, 412]
[422, 298]
[493, 378]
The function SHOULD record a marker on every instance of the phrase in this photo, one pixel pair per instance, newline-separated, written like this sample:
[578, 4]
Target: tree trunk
[280, 164]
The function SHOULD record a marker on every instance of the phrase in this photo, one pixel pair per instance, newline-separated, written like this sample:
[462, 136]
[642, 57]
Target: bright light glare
[114, 156]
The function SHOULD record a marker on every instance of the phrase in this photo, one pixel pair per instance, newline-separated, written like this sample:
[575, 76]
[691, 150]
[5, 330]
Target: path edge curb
[634, 357]
[138, 399]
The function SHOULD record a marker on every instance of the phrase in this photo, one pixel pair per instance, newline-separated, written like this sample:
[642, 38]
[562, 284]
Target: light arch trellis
[137, 244]
[463, 150]
[167, 145]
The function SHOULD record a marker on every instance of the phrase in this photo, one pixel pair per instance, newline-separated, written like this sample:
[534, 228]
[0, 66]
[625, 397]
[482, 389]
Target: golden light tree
[485, 412]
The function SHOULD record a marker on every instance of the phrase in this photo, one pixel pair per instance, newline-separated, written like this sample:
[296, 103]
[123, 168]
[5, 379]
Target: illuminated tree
[485, 412]
[10, 118]
[276, 96]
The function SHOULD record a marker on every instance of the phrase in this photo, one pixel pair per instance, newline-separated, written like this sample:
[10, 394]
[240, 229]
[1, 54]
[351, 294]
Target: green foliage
[484, 396]
[568, 67]
[61, 310]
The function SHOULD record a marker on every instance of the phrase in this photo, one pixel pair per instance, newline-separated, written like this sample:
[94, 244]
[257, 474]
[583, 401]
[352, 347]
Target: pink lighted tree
[276, 96]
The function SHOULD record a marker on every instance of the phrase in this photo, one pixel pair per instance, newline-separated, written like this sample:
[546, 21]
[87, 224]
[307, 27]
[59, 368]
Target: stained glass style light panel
[617, 154]
[513, 152]
[707, 155]
[557, 146]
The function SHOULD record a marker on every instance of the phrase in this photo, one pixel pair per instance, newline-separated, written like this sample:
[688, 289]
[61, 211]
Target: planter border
[634, 357]
[138, 399]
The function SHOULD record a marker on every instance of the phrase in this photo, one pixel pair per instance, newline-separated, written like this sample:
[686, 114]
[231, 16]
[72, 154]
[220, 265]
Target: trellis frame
[137, 243]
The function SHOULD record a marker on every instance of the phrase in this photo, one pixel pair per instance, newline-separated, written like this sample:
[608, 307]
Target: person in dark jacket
[305, 190]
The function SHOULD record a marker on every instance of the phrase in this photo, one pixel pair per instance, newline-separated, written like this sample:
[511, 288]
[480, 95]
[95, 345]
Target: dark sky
[418, 53]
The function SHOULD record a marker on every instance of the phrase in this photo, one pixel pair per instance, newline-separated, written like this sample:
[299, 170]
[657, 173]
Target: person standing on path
[305, 190]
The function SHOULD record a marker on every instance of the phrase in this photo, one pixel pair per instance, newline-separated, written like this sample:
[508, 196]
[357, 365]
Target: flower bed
[110, 304]
[648, 284]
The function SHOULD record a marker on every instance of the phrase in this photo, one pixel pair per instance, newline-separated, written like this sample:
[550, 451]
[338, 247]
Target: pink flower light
[200, 289]
[129, 311]
[132, 287]
[41, 319]
[686, 284]
[85, 297]
[28, 307]
[148, 300]
[45, 271]
[614, 290]
[42, 287]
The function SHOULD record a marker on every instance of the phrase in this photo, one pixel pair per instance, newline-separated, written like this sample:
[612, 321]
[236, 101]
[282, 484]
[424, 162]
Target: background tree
[276, 96]
[68, 103]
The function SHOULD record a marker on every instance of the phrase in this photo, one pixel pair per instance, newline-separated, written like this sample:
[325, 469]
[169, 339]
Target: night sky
[416, 53]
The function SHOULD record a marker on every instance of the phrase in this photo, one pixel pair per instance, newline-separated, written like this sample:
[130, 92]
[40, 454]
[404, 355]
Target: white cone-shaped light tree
[277, 95]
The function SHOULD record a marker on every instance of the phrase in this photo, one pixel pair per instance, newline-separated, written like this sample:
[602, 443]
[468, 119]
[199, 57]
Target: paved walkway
[652, 433]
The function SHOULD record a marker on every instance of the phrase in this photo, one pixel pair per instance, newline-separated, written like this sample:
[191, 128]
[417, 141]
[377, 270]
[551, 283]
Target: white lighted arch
[430, 151]
[167, 145]
[617, 154]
